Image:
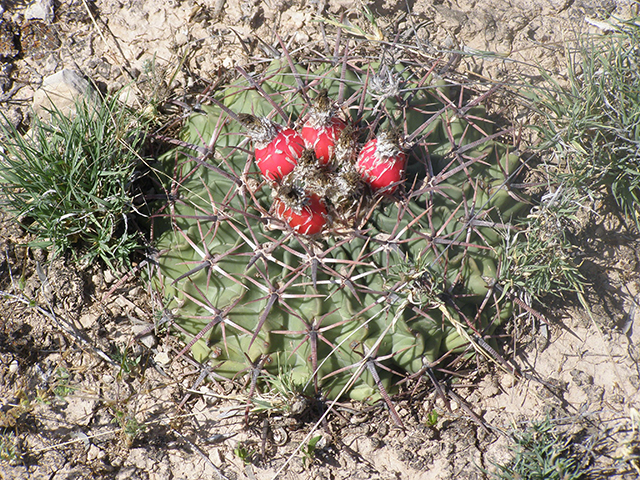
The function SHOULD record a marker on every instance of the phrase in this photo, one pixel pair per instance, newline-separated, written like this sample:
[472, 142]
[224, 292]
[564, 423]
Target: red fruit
[307, 216]
[280, 156]
[382, 162]
[322, 129]
[277, 148]
[322, 138]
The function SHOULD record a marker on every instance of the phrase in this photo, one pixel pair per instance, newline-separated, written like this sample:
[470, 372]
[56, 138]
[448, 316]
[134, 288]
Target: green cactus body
[373, 292]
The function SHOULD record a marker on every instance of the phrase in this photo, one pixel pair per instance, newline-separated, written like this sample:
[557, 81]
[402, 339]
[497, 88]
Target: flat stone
[140, 458]
[12, 115]
[79, 410]
[149, 339]
[40, 9]
[124, 303]
[109, 277]
[129, 97]
[162, 358]
[62, 91]
[126, 473]
[88, 320]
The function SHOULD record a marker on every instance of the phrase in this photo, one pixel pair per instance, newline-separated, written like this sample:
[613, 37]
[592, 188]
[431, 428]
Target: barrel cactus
[389, 278]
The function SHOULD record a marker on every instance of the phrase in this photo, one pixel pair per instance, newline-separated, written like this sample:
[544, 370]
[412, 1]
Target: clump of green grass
[539, 257]
[283, 394]
[593, 123]
[69, 181]
[9, 448]
[541, 452]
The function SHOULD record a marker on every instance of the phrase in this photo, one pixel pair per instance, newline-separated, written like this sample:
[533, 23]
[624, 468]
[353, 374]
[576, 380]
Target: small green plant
[69, 181]
[12, 414]
[43, 396]
[129, 364]
[593, 124]
[131, 428]
[541, 452]
[244, 453]
[63, 379]
[309, 450]
[389, 281]
[432, 418]
[9, 448]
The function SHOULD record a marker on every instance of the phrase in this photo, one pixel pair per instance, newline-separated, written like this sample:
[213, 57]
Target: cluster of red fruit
[319, 175]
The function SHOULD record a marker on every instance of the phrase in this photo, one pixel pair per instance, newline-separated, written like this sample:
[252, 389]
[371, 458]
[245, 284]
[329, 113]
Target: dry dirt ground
[72, 408]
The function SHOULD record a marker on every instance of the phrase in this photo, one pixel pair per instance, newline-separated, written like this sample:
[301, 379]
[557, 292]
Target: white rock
[162, 358]
[140, 458]
[181, 38]
[126, 473]
[148, 340]
[109, 277]
[83, 438]
[124, 303]
[79, 411]
[129, 96]
[41, 10]
[95, 453]
[13, 366]
[88, 320]
[208, 394]
[62, 90]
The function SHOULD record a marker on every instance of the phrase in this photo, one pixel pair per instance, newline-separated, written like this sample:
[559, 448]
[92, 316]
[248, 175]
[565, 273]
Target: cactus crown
[322, 110]
[262, 130]
[392, 280]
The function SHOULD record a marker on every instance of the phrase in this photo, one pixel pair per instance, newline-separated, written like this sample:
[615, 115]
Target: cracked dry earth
[75, 409]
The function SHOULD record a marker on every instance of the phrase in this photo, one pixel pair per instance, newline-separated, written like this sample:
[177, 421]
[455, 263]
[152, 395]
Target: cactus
[390, 280]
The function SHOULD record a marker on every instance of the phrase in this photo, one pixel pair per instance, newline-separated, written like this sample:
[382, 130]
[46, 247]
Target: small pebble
[88, 320]
[162, 358]
[95, 453]
[149, 339]
[358, 419]
[41, 10]
[109, 277]
[13, 366]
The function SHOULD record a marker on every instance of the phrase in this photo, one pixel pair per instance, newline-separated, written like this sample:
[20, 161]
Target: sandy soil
[78, 413]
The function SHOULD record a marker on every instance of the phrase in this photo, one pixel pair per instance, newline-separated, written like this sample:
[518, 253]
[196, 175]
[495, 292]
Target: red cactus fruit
[382, 162]
[277, 148]
[306, 215]
[322, 129]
